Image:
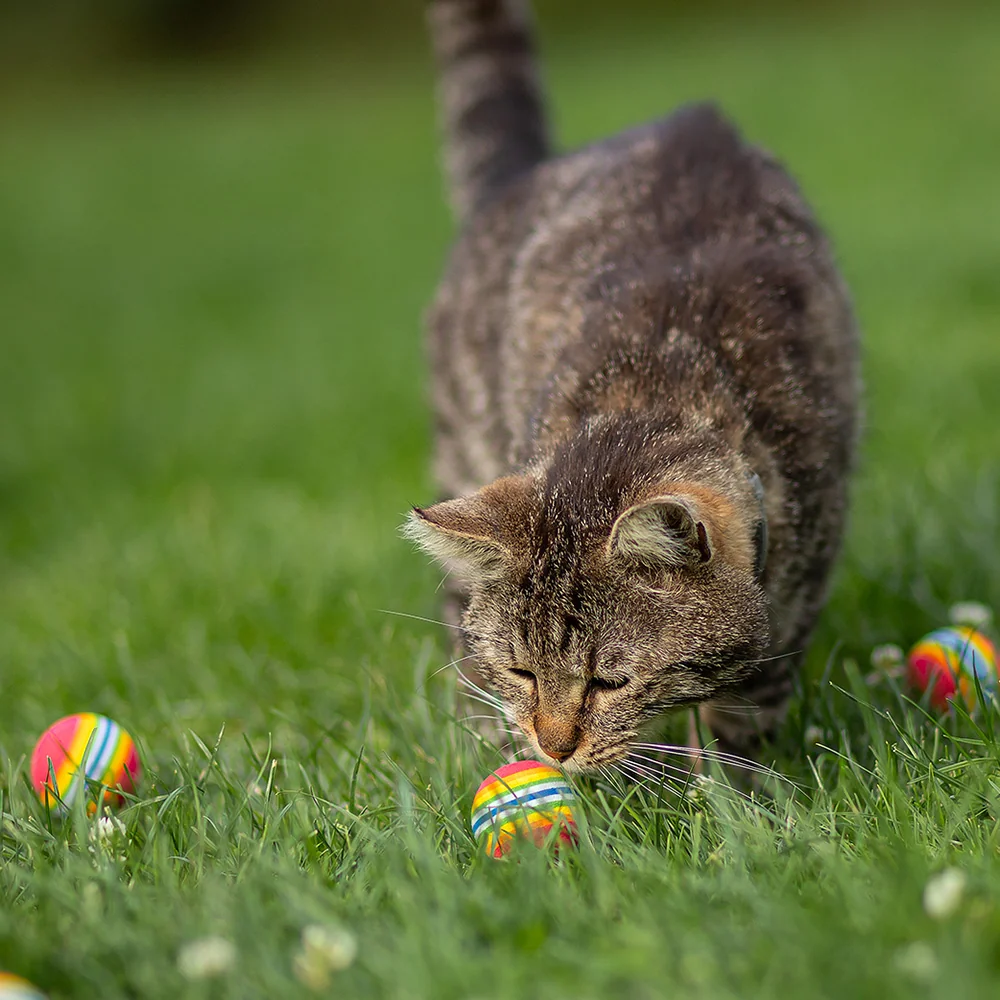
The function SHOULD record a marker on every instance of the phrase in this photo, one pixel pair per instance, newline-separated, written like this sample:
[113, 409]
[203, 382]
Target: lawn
[212, 421]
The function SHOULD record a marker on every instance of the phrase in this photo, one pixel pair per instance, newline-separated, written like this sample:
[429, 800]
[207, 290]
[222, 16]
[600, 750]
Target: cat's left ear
[664, 532]
[476, 537]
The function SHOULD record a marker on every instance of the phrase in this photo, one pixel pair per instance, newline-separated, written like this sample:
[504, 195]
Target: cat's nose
[557, 738]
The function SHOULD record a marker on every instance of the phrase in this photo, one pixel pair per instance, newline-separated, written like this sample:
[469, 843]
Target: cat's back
[668, 187]
[579, 228]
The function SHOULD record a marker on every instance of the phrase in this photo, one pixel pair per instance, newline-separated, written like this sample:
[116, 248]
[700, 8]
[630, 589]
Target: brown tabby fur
[623, 336]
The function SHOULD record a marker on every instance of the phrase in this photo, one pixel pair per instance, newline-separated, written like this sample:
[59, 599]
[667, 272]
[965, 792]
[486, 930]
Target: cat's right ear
[476, 537]
[665, 532]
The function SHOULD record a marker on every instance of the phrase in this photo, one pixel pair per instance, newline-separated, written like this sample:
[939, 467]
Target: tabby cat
[645, 387]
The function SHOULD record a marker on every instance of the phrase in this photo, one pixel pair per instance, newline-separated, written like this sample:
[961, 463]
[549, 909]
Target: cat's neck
[654, 402]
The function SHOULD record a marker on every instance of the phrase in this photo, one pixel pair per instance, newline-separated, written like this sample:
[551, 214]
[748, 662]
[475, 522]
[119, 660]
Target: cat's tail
[491, 103]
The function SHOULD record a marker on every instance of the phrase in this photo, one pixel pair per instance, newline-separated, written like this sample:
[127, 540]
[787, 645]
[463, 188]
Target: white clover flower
[206, 958]
[887, 656]
[970, 613]
[917, 960]
[107, 836]
[92, 898]
[699, 788]
[338, 947]
[943, 893]
[313, 974]
[325, 950]
[109, 827]
[813, 735]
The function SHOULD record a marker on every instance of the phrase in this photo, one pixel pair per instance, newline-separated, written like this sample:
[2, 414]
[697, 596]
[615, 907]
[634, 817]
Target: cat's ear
[665, 532]
[476, 537]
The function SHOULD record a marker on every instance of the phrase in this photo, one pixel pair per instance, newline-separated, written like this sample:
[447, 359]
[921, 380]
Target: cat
[645, 387]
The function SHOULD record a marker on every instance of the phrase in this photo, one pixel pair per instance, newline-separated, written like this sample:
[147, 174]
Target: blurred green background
[98, 31]
[212, 269]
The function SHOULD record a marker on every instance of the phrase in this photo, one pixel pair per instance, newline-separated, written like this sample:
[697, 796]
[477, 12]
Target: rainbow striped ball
[15, 988]
[954, 662]
[524, 799]
[83, 752]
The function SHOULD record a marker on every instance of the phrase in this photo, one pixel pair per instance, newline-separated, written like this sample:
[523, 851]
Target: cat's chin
[573, 767]
[526, 748]
[575, 764]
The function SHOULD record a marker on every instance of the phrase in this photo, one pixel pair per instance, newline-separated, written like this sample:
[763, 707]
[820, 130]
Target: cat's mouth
[576, 751]
[586, 757]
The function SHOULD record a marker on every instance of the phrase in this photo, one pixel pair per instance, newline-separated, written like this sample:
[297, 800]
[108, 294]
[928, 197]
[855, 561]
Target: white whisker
[483, 701]
[777, 656]
[603, 771]
[453, 663]
[476, 689]
[647, 772]
[690, 779]
[500, 727]
[622, 782]
[474, 695]
[685, 772]
[429, 621]
[675, 776]
[647, 780]
[715, 755]
[491, 699]
[745, 711]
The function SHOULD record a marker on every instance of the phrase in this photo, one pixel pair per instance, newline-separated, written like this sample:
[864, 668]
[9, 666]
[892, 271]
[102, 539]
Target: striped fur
[491, 105]
[653, 322]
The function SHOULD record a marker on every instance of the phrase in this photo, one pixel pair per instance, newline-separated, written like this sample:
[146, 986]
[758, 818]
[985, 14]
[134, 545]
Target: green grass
[212, 418]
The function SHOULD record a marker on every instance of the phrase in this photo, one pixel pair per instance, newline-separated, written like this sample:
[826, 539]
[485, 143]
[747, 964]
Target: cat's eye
[608, 683]
[521, 672]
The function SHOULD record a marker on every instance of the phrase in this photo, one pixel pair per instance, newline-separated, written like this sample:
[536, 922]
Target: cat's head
[593, 612]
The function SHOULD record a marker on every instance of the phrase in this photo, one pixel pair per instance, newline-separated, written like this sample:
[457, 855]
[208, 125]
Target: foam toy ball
[82, 752]
[15, 988]
[526, 800]
[950, 662]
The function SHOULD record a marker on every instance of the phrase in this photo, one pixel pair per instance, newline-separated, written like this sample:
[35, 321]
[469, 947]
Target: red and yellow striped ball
[15, 988]
[954, 663]
[525, 800]
[77, 755]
